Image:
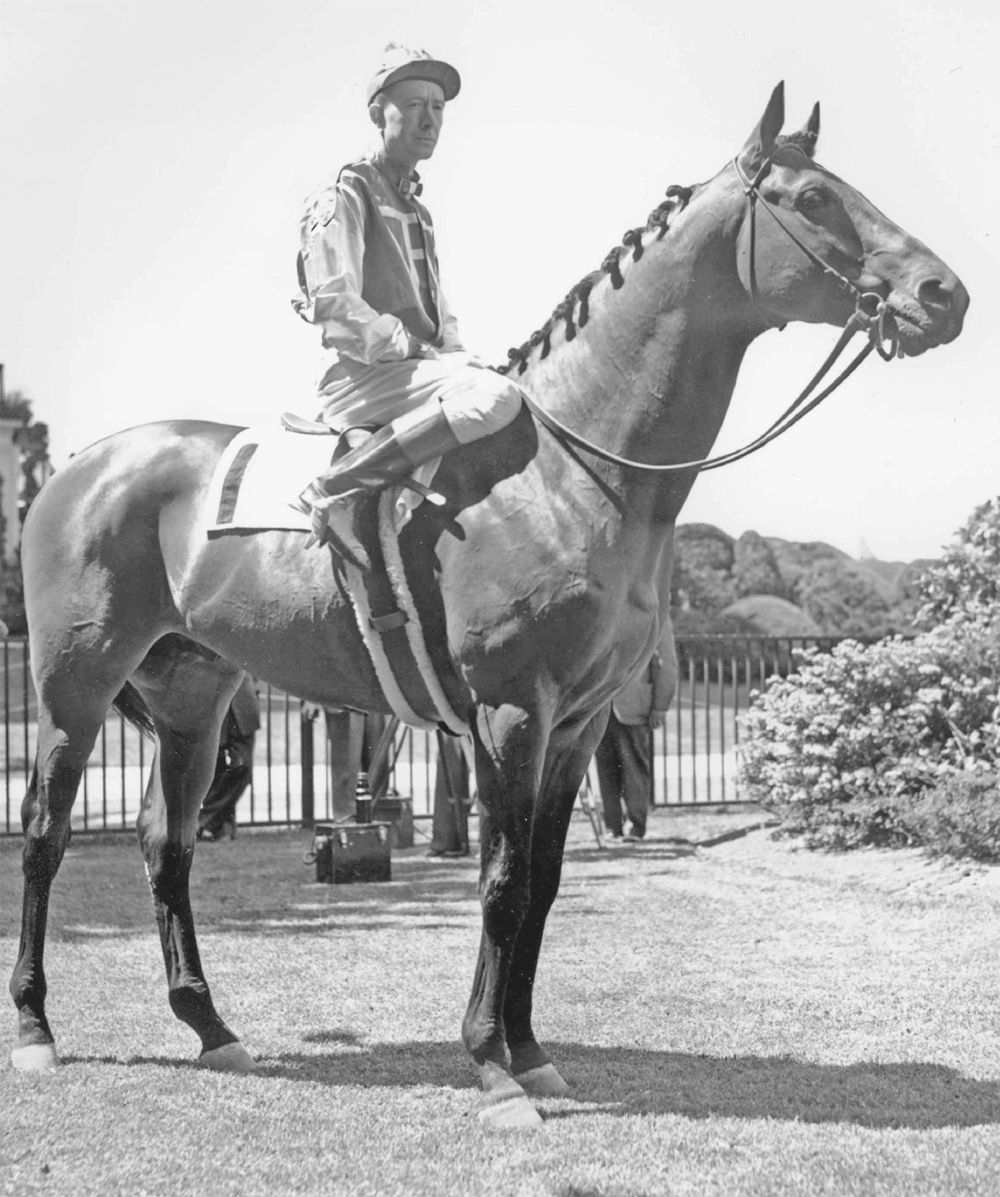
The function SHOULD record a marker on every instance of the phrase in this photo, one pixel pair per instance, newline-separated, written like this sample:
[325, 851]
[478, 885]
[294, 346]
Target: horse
[544, 578]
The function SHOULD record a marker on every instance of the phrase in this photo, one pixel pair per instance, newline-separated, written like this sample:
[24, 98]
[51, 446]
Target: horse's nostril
[934, 293]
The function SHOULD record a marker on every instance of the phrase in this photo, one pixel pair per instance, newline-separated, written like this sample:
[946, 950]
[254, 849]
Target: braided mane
[676, 201]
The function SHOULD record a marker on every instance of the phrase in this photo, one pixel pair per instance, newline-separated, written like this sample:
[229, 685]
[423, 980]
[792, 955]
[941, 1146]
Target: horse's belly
[277, 609]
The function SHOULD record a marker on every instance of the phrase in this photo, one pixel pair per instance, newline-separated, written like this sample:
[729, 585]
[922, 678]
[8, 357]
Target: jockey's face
[412, 113]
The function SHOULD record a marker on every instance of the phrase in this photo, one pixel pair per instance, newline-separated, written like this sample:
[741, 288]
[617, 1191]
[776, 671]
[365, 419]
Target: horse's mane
[677, 199]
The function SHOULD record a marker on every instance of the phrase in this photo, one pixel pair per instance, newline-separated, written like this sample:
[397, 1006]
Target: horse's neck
[651, 374]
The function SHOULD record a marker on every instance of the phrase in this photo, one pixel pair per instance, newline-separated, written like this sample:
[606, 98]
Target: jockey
[368, 270]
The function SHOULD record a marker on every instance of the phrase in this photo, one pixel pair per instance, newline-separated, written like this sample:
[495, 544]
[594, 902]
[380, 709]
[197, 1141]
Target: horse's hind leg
[68, 723]
[187, 693]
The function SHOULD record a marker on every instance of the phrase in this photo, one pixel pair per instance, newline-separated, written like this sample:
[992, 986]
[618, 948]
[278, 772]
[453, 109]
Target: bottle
[363, 801]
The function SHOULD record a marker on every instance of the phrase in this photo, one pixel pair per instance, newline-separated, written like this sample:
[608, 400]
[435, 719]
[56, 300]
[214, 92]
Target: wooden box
[397, 810]
[353, 852]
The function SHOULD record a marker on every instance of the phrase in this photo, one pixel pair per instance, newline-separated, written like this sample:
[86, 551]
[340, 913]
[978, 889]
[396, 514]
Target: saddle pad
[264, 469]
[260, 474]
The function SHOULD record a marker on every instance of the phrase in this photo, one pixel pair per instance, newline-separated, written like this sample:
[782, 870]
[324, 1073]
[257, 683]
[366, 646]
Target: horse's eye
[811, 200]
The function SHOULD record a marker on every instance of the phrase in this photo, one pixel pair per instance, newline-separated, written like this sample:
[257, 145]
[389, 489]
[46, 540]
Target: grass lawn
[735, 1017]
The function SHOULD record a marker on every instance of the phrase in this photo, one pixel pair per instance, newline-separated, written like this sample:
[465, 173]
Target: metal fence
[694, 751]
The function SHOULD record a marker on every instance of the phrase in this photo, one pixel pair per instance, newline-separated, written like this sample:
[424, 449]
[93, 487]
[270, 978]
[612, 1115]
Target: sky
[156, 156]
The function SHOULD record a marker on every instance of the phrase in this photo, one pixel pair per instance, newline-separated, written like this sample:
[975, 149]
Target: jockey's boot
[389, 455]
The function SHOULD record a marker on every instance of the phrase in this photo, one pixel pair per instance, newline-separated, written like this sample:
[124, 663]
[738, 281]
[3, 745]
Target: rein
[871, 314]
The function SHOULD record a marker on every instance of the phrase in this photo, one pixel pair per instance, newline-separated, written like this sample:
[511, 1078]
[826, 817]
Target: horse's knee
[505, 896]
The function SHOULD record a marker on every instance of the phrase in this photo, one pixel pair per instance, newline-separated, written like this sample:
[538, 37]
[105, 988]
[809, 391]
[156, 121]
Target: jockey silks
[369, 273]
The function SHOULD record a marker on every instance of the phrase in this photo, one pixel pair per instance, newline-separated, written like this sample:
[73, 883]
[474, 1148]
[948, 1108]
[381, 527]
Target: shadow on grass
[262, 886]
[619, 1081]
[625, 1082]
[238, 896]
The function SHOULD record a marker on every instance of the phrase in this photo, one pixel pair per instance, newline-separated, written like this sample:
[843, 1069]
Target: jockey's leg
[470, 405]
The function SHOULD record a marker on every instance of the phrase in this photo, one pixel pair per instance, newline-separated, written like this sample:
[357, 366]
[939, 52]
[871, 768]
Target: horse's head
[801, 218]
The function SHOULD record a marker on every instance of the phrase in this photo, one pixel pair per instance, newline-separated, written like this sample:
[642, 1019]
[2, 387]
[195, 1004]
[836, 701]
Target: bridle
[871, 311]
[871, 315]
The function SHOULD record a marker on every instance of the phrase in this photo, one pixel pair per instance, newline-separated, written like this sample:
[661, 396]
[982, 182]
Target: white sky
[156, 154]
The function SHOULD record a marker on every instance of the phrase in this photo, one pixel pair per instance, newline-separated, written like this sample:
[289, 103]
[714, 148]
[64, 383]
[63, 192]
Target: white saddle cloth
[264, 469]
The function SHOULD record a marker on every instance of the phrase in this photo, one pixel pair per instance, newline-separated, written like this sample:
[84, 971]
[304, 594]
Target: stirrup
[349, 547]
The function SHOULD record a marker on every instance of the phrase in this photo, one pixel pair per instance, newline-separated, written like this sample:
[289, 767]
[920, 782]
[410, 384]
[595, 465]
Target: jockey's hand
[421, 349]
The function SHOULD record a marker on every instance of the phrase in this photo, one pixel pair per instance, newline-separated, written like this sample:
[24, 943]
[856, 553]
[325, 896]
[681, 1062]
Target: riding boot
[389, 455]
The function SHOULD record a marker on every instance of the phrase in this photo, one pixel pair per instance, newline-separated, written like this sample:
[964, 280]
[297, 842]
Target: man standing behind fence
[234, 767]
[624, 757]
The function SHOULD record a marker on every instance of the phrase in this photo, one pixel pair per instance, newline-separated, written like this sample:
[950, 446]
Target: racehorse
[545, 576]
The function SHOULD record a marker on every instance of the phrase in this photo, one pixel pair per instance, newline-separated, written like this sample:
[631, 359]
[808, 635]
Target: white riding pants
[476, 401]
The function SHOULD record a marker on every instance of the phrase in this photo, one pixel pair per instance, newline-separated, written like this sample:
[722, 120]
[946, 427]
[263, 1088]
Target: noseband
[871, 315]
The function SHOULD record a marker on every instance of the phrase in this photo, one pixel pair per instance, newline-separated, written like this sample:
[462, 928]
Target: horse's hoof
[35, 1057]
[231, 1057]
[512, 1113]
[544, 1081]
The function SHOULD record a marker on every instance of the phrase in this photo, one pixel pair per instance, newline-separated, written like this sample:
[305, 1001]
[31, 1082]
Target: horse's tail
[130, 706]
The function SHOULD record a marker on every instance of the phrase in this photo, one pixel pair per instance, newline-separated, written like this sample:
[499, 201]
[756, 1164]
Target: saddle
[394, 635]
[293, 423]
[399, 617]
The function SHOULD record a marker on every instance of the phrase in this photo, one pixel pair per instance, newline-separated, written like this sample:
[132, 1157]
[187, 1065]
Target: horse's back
[150, 463]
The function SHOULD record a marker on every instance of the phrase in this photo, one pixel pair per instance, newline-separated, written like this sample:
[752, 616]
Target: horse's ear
[808, 135]
[761, 141]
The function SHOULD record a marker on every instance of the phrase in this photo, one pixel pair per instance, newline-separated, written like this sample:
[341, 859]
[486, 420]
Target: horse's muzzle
[933, 313]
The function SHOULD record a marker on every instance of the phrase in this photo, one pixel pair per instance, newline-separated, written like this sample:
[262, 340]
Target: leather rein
[871, 315]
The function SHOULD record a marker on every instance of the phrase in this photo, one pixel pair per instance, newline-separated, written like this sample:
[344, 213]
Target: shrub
[838, 749]
[960, 816]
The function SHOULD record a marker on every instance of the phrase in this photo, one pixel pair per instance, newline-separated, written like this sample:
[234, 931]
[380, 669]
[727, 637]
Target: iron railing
[694, 749]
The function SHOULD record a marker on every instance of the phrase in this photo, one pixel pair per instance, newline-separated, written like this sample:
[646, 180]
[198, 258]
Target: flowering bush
[839, 748]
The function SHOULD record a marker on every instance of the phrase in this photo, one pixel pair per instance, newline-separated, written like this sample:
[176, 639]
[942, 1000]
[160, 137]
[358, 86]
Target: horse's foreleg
[507, 770]
[45, 816]
[167, 826]
[564, 773]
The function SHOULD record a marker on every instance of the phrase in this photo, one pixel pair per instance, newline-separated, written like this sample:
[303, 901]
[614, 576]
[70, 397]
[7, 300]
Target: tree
[968, 576]
[32, 439]
[843, 598]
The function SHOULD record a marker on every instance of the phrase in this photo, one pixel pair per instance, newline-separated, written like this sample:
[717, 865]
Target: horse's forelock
[801, 140]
